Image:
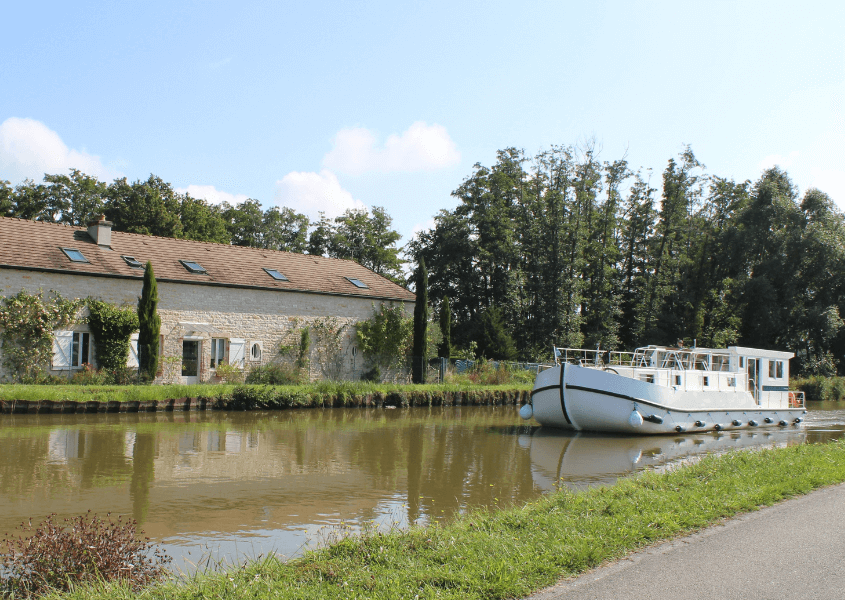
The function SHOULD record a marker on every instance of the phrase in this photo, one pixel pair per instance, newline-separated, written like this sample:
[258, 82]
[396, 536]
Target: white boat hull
[589, 399]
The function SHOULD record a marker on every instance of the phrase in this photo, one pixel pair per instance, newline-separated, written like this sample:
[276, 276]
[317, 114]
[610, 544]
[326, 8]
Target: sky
[329, 105]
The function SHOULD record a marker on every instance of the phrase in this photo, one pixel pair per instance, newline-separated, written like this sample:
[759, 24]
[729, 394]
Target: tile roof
[38, 246]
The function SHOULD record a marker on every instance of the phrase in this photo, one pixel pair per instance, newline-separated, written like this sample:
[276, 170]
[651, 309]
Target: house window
[74, 254]
[130, 260]
[218, 352]
[194, 267]
[775, 369]
[276, 275]
[358, 283]
[255, 351]
[80, 350]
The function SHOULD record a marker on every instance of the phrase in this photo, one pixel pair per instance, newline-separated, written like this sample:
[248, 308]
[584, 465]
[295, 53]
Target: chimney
[100, 231]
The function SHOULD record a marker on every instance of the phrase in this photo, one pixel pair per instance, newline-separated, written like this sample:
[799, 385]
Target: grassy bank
[311, 394]
[511, 552]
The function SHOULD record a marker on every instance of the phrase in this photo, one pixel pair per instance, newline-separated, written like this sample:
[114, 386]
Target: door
[190, 360]
[752, 368]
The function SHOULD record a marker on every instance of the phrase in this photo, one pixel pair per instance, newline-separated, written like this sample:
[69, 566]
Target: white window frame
[218, 352]
[252, 347]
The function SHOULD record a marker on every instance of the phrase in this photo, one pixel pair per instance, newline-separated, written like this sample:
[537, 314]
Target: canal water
[215, 487]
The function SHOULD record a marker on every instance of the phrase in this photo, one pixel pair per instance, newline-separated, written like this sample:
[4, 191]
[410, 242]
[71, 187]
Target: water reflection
[248, 483]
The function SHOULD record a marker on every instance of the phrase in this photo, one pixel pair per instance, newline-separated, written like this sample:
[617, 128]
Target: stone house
[217, 303]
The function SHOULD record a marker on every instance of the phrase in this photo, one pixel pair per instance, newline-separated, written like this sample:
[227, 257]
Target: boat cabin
[762, 373]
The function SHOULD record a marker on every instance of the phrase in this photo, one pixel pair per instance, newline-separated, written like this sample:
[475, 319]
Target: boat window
[741, 362]
[677, 380]
[647, 378]
[705, 381]
[701, 362]
[720, 362]
[775, 369]
[732, 381]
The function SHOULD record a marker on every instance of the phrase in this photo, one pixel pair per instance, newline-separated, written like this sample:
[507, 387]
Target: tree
[419, 352]
[284, 230]
[150, 325]
[321, 236]
[202, 222]
[244, 222]
[493, 339]
[445, 349]
[147, 207]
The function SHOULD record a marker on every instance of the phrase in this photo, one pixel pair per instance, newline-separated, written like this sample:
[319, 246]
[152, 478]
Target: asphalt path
[795, 549]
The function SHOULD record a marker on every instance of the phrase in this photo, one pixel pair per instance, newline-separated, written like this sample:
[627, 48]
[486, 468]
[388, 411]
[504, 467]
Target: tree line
[154, 207]
[564, 249]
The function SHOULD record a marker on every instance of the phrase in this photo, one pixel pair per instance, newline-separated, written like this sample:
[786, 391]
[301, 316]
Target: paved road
[795, 549]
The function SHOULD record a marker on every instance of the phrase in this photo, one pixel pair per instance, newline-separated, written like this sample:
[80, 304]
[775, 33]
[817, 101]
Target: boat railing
[580, 356]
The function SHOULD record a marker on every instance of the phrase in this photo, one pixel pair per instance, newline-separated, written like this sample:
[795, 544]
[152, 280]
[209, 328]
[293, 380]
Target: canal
[224, 486]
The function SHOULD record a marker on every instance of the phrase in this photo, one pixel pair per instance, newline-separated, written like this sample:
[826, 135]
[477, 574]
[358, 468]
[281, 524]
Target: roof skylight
[74, 254]
[130, 260]
[276, 275]
[358, 283]
[193, 266]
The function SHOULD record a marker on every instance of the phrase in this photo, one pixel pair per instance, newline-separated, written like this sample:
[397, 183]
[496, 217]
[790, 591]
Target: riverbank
[21, 399]
[512, 552]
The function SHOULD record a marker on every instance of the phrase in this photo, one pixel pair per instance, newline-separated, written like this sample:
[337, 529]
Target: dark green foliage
[112, 327]
[149, 325]
[81, 551]
[419, 350]
[445, 349]
[384, 338]
[492, 337]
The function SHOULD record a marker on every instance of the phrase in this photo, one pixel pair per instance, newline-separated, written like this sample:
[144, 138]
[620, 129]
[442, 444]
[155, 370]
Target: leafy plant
[384, 338]
[27, 323]
[229, 373]
[82, 550]
[112, 327]
[275, 374]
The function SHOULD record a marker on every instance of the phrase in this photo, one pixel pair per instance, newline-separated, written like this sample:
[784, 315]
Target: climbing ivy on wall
[111, 327]
[27, 323]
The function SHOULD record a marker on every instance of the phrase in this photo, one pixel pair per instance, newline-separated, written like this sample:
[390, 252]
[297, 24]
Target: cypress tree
[149, 324]
[446, 328]
[419, 358]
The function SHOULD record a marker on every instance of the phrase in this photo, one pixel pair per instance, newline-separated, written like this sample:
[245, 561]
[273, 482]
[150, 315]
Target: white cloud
[830, 181]
[29, 149]
[212, 195]
[427, 226]
[421, 147]
[772, 160]
[310, 193]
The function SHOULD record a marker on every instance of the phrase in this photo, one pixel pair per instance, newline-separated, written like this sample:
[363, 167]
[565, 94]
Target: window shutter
[132, 361]
[236, 352]
[62, 341]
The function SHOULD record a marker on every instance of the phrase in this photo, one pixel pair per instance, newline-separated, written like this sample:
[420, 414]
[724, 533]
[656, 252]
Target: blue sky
[331, 105]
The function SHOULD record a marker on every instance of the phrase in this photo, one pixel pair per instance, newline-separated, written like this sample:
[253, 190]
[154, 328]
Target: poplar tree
[149, 324]
[419, 358]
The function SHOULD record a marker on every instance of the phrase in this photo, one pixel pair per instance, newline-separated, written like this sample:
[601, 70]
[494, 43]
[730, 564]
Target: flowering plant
[27, 323]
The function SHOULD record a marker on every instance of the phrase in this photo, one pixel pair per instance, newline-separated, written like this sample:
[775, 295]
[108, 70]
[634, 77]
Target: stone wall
[270, 318]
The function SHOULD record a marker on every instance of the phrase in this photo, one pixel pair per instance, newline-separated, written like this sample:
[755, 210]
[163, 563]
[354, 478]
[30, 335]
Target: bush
[229, 373]
[83, 550]
[275, 374]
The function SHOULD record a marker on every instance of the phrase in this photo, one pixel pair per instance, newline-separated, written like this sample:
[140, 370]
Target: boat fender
[654, 419]
[768, 419]
[798, 420]
[526, 412]
[737, 422]
[753, 423]
[679, 429]
[636, 419]
[700, 423]
[783, 423]
[718, 427]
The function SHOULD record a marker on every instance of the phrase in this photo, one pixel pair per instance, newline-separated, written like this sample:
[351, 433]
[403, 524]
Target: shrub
[229, 373]
[88, 375]
[275, 374]
[112, 327]
[83, 550]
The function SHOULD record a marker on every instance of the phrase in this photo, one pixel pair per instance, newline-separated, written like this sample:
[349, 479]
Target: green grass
[325, 389]
[510, 553]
